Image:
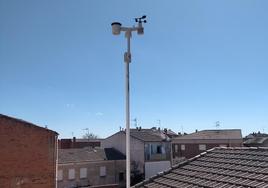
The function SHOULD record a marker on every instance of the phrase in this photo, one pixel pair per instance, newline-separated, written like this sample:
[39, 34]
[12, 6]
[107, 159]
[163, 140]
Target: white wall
[152, 168]
[118, 141]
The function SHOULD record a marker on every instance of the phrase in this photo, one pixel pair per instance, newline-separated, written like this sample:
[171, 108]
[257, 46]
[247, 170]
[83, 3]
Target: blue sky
[197, 63]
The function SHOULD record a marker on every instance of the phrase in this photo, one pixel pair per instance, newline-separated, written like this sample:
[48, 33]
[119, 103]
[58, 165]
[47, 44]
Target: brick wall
[72, 143]
[28, 155]
[192, 149]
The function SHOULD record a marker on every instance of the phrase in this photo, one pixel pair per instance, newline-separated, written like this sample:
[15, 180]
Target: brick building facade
[28, 154]
[188, 146]
[78, 143]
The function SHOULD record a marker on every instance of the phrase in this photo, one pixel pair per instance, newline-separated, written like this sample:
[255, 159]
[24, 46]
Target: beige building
[149, 149]
[84, 167]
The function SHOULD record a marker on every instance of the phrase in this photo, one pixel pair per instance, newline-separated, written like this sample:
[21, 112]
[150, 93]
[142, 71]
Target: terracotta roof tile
[220, 167]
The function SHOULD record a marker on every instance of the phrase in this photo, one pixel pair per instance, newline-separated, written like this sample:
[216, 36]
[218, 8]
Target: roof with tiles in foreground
[218, 167]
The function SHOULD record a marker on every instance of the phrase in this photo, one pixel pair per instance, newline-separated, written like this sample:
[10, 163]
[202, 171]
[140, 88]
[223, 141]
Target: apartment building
[149, 149]
[87, 167]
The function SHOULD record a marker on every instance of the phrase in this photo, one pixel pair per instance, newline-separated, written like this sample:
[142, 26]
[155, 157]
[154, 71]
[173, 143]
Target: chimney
[73, 142]
[165, 130]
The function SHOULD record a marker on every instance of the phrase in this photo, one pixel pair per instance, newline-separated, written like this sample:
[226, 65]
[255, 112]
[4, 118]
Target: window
[71, 174]
[154, 149]
[183, 147]
[102, 171]
[121, 176]
[83, 173]
[176, 148]
[59, 175]
[202, 147]
[159, 150]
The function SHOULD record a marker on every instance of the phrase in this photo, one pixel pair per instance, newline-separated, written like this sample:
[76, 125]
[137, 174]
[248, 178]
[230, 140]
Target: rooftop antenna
[135, 122]
[159, 122]
[87, 133]
[217, 124]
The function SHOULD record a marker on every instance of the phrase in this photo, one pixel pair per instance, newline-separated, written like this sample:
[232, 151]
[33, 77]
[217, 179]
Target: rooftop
[213, 134]
[149, 135]
[256, 140]
[88, 154]
[82, 139]
[219, 167]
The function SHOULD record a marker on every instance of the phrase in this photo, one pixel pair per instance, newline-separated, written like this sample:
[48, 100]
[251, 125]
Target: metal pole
[116, 29]
[127, 61]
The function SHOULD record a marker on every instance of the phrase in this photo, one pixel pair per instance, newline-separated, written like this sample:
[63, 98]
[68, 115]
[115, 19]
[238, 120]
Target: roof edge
[172, 168]
[28, 123]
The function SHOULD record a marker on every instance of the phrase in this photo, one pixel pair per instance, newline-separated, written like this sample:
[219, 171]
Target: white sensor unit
[116, 28]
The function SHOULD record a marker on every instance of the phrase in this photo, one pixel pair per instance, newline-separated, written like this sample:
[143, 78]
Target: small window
[83, 173]
[176, 148]
[202, 147]
[159, 150]
[71, 174]
[102, 171]
[183, 147]
[121, 176]
[59, 175]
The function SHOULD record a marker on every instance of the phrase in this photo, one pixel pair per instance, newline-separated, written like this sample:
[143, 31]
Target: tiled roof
[88, 154]
[256, 140]
[113, 154]
[219, 167]
[149, 135]
[213, 134]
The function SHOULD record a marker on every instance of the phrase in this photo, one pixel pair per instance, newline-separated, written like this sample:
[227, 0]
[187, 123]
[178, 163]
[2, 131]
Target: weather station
[116, 30]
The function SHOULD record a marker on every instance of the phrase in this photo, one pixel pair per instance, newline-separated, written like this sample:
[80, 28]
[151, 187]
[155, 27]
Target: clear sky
[197, 63]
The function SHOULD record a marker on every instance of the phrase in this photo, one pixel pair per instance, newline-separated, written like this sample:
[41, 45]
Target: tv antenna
[217, 124]
[159, 122]
[135, 120]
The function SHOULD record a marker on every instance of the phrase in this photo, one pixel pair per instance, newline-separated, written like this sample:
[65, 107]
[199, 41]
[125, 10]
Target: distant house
[78, 143]
[28, 154]
[218, 167]
[149, 149]
[83, 167]
[256, 140]
[190, 145]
